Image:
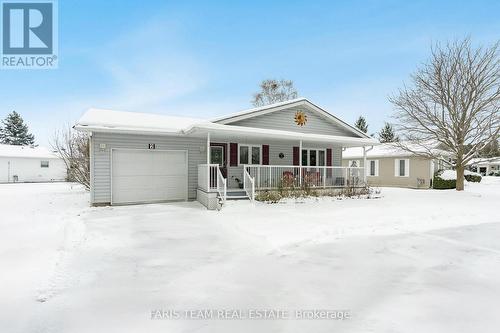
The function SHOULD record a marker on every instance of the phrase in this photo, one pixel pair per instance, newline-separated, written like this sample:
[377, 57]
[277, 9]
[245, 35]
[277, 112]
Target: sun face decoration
[300, 118]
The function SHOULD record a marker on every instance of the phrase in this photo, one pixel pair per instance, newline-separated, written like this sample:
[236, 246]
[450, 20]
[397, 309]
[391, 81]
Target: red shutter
[295, 155]
[265, 154]
[328, 157]
[233, 157]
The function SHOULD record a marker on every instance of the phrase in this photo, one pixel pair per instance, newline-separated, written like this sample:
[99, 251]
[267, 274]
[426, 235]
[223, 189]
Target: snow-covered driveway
[411, 261]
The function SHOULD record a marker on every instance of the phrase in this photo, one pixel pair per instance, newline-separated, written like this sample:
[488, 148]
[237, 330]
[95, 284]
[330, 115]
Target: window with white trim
[354, 164]
[249, 154]
[402, 167]
[373, 168]
[313, 157]
[44, 164]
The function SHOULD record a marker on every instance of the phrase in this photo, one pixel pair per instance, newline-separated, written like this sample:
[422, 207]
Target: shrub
[475, 178]
[443, 184]
[268, 196]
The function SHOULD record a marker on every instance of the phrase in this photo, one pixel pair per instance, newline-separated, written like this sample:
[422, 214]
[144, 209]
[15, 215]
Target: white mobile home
[30, 164]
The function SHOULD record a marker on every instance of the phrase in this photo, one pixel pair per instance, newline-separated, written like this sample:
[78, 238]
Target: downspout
[364, 161]
[300, 162]
[208, 148]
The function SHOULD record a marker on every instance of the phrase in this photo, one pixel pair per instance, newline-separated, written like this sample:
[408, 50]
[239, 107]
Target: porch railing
[275, 176]
[210, 179]
[248, 184]
[221, 185]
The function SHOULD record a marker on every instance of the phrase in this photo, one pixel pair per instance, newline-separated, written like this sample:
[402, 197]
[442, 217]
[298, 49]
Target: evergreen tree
[361, 124]
[14, 131]
[387, 134]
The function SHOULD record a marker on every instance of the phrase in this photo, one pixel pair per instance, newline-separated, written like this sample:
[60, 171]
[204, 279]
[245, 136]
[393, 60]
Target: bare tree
[274, 91]
[73, 147]
[453, 102]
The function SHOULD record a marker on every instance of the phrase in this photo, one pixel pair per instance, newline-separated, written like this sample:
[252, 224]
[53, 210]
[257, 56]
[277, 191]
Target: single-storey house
[485, 166]
[30, 164]
[389, 165]
[143, 158]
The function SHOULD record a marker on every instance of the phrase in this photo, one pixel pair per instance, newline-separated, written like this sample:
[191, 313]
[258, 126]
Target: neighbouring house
[389, 165]
[485, 166]
[30, 164]
[143, 158]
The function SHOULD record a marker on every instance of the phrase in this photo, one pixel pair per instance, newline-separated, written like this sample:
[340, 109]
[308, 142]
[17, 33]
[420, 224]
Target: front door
[218, 156]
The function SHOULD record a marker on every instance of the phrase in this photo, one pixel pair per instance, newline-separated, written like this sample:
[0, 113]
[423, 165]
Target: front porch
[241, 165]
[272, 177]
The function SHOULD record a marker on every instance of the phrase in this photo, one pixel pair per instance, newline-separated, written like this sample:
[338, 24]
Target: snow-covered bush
[472, 177]
[444, 180]
[276, 196]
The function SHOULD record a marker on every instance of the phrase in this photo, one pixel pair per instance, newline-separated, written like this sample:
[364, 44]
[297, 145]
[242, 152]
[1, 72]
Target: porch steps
[237, 195]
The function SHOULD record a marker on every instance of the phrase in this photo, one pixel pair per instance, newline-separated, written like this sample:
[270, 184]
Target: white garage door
[148, 176]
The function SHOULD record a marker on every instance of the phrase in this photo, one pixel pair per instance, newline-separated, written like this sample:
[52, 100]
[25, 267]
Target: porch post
[300, 162]
[364, 165]
[208, 161]
[208, 148]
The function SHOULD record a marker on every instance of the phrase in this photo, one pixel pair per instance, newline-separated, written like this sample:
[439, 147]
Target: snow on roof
[383, 150]
[101, 118]
[484, 160]
[126, 122]
[26, 151]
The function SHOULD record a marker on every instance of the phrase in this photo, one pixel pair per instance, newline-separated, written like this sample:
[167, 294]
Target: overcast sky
[206, 59]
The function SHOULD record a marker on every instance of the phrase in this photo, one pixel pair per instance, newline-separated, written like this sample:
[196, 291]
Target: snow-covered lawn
[411, 261]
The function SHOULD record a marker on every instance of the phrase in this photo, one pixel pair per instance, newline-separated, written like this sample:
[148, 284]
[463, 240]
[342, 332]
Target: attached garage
[143, 175]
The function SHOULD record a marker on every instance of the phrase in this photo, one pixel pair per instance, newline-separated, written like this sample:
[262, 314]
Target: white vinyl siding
[373, 168]
[402, 167]
[284, 120]
[101, 158]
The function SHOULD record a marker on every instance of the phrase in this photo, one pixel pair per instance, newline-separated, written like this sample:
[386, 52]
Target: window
[321, 157]
[402, 167]
[217, 155]
[304, 157]
[243, 154]
[313, 157]
[373, 168]
[44, 164]
[249, 154]
[255, 155]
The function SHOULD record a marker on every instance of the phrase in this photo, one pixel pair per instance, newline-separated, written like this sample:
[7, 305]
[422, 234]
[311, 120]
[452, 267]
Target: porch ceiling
[229, 132]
